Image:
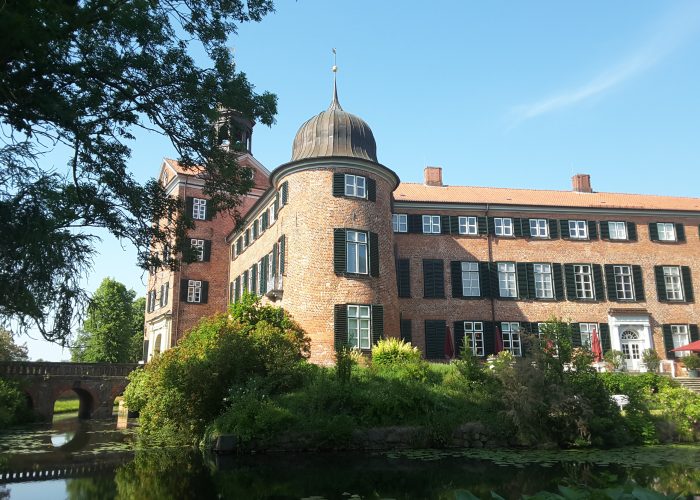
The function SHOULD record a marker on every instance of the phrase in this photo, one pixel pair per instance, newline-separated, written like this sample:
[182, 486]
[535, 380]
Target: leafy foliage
[394, 351]
[13, 405]
[9, 350]
[78, 79]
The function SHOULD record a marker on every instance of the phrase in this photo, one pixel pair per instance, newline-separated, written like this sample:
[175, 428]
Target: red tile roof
[196, 170]
[413, 192]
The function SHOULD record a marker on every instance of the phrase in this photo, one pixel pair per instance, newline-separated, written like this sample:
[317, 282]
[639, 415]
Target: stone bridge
[96, 384]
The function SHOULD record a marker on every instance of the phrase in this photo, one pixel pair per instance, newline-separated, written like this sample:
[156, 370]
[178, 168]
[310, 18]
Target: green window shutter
[415, 223]
[458, 337]
[489, 338]
[239, 245]
[263, 275]
[435, 339]
[254, 280]
[638, 278]
[592, 230]
[339, 251]
[491, 224]
[265, 220]
[283, 254]
[521, 272]
[575, 335]
[338, 185]
[493, 279]
[660, 283]
[518, 228]
[693, 333]
[340, 326]
[183, 289]
[632, 231]
[244, 285]
[454, 224]
[406, 334]
[373, 254]
[610, 282]
[445, 224]
[377, 323]
[558, 281]
[246, 237]
[653, 231]
[482, 223]
[433, 279]
[207, 251]
[553, 228]
[598, 282]
[604, 230]
[688, 294]
[456, 278]
[371, 189]
[570, 282]
[530, 277]
[485, 280]
[189, 206]
[564, 226]
[668, 341]
[680, 232]
[256, 231]
[205, 292]
[208, 212]
[284, 188]
[274, 259]
[237, 290]
[605, 337]
[403, 277]
[231, 291]
[276, 203]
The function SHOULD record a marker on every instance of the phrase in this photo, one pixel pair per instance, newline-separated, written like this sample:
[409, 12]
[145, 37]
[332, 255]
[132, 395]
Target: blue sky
[510, 94]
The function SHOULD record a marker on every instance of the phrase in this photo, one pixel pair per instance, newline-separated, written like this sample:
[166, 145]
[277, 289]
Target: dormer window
[355, 186]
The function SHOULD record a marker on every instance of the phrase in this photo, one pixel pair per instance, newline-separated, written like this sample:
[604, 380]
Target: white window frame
[273, 216]
[198, 248]
[503, 226]
[578, 229]
[471, 287]
[194, 291]
[356, 252]
[399, 223]
[673, 283]
[544, 284]
[667, 231]
[624, 282]
[510, 332]
[468, 225]
[507, 280]
[355, 186]
[431, 224]
[539, 228]
[583, 281]
[680, 335]
[359, 328]
[474, 331]
[251, 282]
[260, 273]
[199, 208]
[586, 330]
[617, 230]
[271, 271]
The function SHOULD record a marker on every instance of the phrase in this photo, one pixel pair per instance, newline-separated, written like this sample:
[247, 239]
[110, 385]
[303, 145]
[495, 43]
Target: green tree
[136, 349]
[78, 79]
[9, 350]
[113, 322]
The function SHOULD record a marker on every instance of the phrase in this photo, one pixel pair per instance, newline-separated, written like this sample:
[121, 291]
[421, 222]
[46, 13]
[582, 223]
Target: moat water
[92, 459]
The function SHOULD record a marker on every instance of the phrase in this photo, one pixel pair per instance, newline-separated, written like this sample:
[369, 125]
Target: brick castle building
[354, 254]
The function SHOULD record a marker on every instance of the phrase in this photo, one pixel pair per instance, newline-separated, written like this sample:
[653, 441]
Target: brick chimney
[432, 176]
[581, 183]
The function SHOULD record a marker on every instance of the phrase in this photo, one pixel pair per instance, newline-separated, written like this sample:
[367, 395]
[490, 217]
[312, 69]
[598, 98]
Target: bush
[393, 351]
[681, 407]
[691, 361]
[13, 405]
[651, 359]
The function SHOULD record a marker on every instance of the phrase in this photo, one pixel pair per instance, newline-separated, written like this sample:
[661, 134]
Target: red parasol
[499, 341]
[596, 349]
[693, 346]
[449, 344]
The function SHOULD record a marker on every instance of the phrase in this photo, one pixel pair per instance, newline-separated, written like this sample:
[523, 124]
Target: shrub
[13, 405]
[393, 351]
[344, 361]
[651, 359]
[691, 361]
[681, 407]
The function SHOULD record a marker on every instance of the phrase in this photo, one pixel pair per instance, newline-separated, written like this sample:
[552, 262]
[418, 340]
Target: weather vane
[334, 68]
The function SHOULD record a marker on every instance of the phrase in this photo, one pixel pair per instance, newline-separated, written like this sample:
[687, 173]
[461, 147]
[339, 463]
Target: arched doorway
[631, 346]
[156, 344]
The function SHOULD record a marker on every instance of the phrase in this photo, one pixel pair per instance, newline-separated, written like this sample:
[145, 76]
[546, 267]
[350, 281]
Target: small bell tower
[233, 131]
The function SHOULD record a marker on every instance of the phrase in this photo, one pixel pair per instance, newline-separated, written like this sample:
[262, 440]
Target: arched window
[156, 345]
[629, 335]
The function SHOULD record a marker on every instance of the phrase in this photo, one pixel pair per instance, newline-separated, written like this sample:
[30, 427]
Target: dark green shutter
[521, 273]
[183, 289]
[285, 192]
[653, 231]
[553, 228]
[263, 275]
[435, 339]
[403, 277]
[483, 225]
[339, 251]
[610, 282]
[205, 292]
[283, 255]
[598, 282]
[373, 254]
[456, 278]
[484, 279]
[371, 189]
[688, 294]
[207, 251]
[604, 332]
[276, 204]
[256, 232]
[454, 224]
[458, 337]
[491, 226]
[340, 326]
[604, 230]
[564, 226]
[254, 280]
[680, 232]
[570, 282]
[274, 262]
[189, 206]
[693, 333]
[237, 290]
[575, 335]
[668, 341]
[244, 287]
[558, 281]
[493, 280]
[445, 224]
[265, 220]
[592, 230]
[632, 231]
[489, 338]
[518, 228]
[415, 223]
[406, 334]
[377, 323]
[660, 284]
[433, 279]
[239, 245]
[208, 212]
[231, 292]
[638, 278]
[338, 185]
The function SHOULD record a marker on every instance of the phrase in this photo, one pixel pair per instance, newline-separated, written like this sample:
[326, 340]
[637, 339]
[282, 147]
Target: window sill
[354, 275]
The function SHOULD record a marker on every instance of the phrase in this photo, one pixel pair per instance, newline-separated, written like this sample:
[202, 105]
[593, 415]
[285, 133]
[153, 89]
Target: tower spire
[335, 104]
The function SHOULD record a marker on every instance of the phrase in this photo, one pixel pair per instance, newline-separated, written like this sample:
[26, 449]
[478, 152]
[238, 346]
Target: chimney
[433, 176]
[581, 183]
